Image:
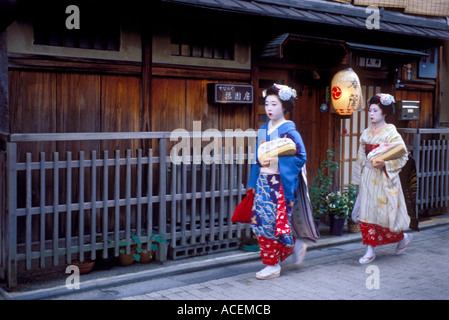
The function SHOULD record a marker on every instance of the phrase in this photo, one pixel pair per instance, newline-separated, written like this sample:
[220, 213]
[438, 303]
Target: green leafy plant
[158, 238]
[138, 245]
[321, 184]
[340, 204]
[155, 239]
[337, 205]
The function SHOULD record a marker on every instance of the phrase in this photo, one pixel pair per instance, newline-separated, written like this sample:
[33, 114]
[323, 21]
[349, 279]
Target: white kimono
[381, 200]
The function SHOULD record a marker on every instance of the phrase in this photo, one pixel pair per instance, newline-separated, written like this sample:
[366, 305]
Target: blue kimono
[289, 167]
[275, 194]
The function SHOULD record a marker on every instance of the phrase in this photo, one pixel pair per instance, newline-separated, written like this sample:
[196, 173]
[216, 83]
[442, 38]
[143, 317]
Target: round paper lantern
[346, 92]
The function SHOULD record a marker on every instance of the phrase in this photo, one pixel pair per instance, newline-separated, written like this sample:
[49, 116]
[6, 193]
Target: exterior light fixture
[346, 92]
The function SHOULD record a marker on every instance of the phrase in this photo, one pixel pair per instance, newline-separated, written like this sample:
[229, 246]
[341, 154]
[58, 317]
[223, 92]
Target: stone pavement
[330, 271]
[421, 272]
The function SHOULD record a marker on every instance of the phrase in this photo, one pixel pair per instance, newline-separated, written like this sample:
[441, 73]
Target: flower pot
[127, 259]
[336, 225]
[84, 267]
[317, 222]
[353, 227]
[250, 245]
[146, 256]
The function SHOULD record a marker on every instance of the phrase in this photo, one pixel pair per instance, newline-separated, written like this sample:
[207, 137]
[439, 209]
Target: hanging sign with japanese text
[231, 93]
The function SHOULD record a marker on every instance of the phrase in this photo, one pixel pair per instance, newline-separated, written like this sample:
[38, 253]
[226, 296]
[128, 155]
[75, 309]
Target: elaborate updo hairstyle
[286, 95]
[385, 103]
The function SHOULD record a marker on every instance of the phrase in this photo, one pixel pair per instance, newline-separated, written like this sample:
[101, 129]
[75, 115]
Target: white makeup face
[375, 114]
[273, 108]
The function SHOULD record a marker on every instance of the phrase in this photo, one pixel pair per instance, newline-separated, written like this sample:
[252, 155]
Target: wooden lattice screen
[351, 129]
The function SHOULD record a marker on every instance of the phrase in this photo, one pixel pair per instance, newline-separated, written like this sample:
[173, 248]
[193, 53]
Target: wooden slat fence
[140, 194]
[431, 154]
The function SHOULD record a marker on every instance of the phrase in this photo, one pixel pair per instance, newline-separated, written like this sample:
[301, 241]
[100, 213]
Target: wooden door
[317, 128]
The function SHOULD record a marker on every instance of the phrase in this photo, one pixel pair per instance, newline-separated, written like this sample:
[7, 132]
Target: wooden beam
[69, 64]
[4, 97]
[146, 35]
[437, 108]
[183, 71]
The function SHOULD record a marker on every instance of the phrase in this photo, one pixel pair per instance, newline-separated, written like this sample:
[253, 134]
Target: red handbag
[242, 212]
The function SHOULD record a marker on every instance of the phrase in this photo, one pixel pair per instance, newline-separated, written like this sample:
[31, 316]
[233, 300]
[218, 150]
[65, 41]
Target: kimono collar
[272, 127]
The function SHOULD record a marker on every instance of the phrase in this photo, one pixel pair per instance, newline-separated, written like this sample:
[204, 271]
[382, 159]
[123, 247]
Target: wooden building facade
[131, 68]
[156, 78]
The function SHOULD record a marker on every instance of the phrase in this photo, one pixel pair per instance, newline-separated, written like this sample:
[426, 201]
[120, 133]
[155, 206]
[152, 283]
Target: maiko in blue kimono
[280, 191]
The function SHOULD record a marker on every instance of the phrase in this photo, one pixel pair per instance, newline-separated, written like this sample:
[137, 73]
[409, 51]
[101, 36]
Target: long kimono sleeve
[394, 167]
[291, 166]
[301, 153]
[358, 165]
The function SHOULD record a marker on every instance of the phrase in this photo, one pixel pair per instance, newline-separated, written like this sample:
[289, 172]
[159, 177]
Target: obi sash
[370, 147]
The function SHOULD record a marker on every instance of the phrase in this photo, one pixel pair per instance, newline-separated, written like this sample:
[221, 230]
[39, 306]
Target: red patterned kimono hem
[272, 252]
[375, 235]
[271, 225]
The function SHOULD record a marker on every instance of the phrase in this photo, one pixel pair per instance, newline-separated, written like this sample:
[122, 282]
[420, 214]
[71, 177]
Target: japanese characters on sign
[232, 93]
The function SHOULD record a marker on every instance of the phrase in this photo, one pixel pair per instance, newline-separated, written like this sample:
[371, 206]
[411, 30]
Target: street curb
[182, 268]
[124, 279]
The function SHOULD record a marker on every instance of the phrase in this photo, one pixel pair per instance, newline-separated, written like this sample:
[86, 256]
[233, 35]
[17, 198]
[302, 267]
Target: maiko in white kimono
[382, 211]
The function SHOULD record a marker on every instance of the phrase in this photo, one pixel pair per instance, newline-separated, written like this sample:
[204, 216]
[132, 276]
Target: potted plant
[146, 254]
[127, 259]
[150, 248]
[140, 252]
[321, 184]
[86, 266]
[338, 210]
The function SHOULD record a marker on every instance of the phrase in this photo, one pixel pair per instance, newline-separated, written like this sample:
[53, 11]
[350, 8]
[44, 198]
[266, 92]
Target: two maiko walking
[282, 214]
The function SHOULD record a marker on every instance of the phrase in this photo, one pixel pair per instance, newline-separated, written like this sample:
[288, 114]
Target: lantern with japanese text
[346, 92]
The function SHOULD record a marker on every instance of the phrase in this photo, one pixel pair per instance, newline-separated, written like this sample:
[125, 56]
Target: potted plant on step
[149, 249]
[128, 258]
[86, 266]
[140, 252]
[321, 185]
[338, 210]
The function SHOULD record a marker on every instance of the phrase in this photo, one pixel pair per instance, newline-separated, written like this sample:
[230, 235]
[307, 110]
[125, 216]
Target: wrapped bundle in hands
[392, 154]
[276, 148]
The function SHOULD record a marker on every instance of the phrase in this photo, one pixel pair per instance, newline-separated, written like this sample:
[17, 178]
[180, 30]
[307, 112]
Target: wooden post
[146, 40]
[4, 100]
[11, 219]
[162, 223]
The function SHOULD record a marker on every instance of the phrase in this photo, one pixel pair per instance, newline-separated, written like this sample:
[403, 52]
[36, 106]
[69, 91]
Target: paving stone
[420, 273]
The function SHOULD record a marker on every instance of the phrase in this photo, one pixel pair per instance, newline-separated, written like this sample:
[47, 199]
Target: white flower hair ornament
[285, 92]
[386, 99]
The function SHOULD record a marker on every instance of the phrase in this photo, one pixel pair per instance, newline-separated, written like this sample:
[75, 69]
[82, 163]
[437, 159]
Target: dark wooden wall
[54, 102]
[319, 131]
[426, 111]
